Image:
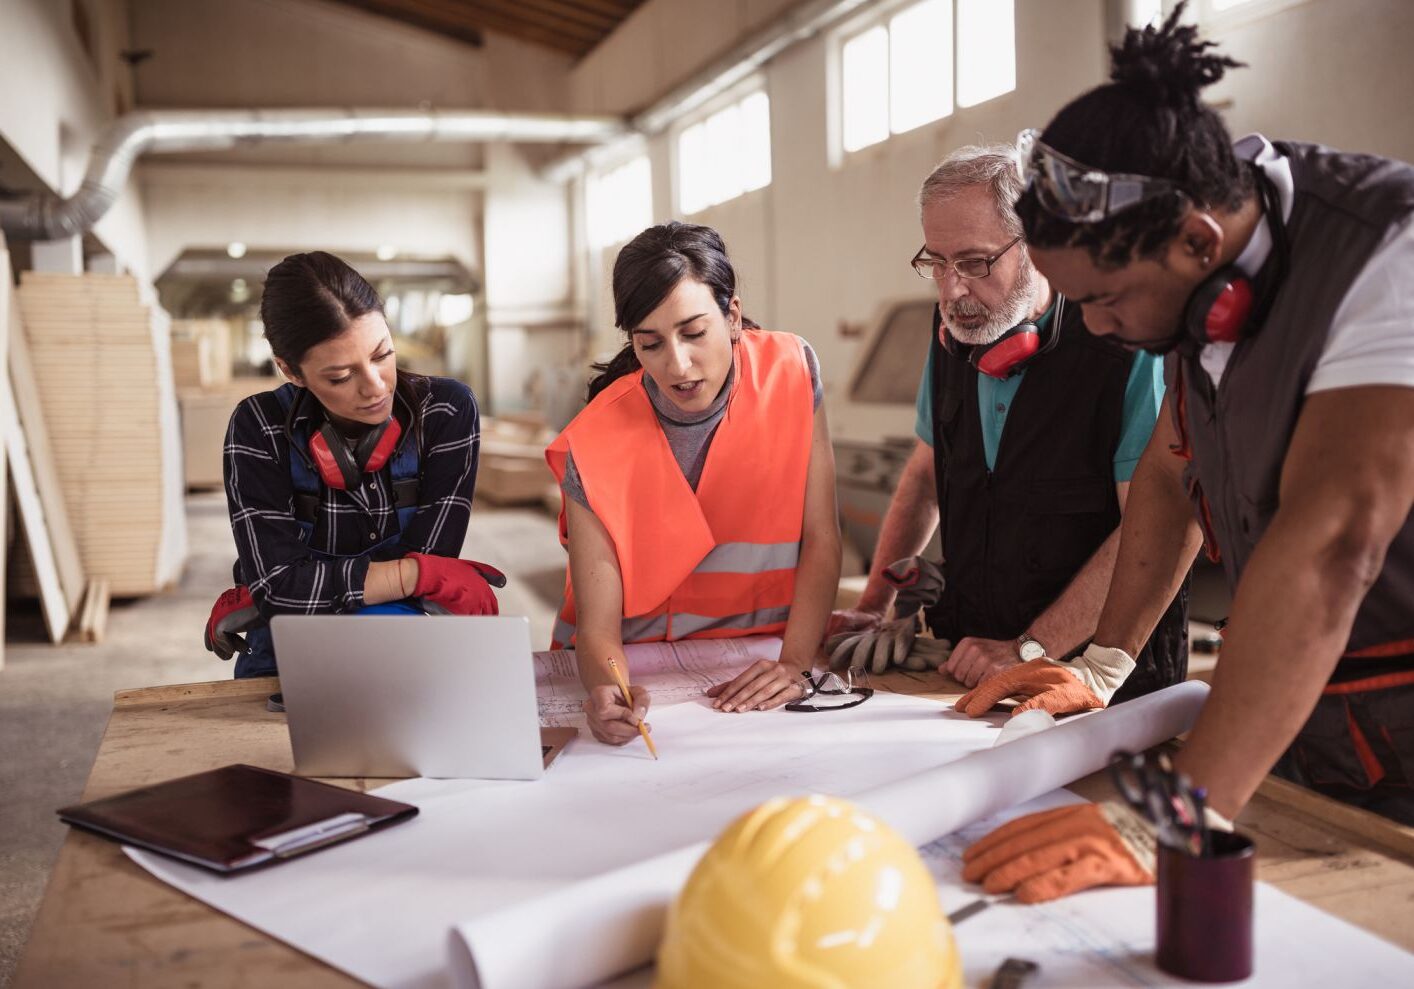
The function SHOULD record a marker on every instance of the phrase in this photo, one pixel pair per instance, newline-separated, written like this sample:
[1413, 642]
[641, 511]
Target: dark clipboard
[236, 818]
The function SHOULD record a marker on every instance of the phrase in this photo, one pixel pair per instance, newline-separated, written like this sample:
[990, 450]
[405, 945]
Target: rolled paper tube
[1023, 724]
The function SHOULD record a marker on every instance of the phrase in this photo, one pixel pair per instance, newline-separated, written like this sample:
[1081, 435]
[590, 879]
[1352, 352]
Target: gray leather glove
[894, 643]
[919, 584]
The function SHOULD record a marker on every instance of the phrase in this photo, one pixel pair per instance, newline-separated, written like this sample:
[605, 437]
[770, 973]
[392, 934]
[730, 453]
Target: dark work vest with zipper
[1014, 537]
[1344, 207]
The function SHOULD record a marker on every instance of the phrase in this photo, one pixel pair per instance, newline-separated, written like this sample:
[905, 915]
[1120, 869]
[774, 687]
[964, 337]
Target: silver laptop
[410, 695]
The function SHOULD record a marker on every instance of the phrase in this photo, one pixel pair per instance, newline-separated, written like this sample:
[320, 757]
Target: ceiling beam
[393, 10]
[597, 21]
[618, 9]
[571, 26]
[514, 10]
[470, 13]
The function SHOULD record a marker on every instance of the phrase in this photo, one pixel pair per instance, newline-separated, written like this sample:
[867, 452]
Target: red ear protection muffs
[1011, 351]
[1219, 308]
[342, 468]
[1224, 306]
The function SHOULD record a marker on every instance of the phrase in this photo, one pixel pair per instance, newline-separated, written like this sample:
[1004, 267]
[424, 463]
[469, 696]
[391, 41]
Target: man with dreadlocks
[1280, 277]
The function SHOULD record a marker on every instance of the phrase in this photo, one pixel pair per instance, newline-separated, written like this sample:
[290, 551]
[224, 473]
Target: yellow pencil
[628, 699]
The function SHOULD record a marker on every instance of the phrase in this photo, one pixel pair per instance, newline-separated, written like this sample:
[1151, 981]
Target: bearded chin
[1015, 309]
[975, 336]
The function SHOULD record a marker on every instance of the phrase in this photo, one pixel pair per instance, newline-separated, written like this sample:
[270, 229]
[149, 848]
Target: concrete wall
[234, 53]
[825, 245]
[530, 307]
[659, 46]
[58, 97]
[1337, 72]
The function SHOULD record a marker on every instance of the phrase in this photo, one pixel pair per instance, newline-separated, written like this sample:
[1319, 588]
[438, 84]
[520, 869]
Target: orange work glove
[1054, 853]
[1083, 684]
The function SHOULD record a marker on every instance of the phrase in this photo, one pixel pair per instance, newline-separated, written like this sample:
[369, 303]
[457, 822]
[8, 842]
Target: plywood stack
[201, 352]
[46, 562]
[102, 364]
[206, 413]
[190, 358]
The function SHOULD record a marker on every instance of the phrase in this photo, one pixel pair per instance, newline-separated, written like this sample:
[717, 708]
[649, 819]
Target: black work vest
[1014, 537]
[1345, 206]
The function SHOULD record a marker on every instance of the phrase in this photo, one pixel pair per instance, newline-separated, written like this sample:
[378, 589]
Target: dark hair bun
[1169, 64]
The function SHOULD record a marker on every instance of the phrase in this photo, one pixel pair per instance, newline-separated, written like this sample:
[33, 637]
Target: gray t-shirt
[689, 434]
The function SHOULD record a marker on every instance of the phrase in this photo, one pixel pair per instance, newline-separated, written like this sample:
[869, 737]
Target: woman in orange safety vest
[698, 485]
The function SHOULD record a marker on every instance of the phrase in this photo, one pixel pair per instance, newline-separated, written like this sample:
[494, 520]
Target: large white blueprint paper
[672, 672]
[613, 922]
[380, 907]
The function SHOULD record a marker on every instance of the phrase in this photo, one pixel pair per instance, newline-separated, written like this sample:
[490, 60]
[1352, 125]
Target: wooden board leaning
[43, 513]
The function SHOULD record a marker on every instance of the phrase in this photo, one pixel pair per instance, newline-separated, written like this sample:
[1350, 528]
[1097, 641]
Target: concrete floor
[55, 700]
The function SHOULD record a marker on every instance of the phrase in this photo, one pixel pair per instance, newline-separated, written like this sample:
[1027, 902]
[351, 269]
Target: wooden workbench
[106, 922]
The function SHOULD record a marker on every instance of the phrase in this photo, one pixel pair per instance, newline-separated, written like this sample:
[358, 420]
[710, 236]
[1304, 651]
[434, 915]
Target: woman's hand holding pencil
[613, 719]
[627, 693]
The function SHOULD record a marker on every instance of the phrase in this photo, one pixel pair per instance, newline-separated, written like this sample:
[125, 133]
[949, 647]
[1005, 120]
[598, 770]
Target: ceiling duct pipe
[746, 57]
[45, 216]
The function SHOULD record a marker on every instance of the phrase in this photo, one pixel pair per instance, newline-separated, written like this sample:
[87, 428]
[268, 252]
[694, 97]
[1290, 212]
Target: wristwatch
[1028, 648]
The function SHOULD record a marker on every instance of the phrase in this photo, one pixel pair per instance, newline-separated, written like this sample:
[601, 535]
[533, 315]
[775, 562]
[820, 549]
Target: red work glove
[463, 587]
[1083, 684]
[234, 612]
[1054, 853]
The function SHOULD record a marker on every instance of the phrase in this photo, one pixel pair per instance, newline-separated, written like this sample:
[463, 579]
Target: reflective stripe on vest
[721, 560]
[651, 628]
[685, 625]
[750, 558]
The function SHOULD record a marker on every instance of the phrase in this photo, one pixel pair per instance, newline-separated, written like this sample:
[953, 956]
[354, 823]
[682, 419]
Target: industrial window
[986, 50]
[1224, 15]
[619, 203]
[915, 64]
[1144, 13]
[725, 155]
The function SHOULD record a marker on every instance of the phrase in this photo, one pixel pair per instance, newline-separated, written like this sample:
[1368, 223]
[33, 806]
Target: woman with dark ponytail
[350, 487]
[1277, 274]
[698, 488]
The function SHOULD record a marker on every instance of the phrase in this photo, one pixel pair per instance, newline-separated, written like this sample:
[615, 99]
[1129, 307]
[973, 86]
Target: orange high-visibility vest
[720, 561]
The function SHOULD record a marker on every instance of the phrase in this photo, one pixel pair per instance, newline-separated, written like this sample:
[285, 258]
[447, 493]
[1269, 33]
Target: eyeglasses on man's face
[928, 266]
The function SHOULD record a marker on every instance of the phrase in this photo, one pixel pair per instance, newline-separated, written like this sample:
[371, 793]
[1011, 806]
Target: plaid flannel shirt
[285, 574]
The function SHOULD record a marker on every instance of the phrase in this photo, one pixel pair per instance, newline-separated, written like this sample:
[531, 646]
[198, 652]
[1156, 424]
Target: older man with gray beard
[1028, 431]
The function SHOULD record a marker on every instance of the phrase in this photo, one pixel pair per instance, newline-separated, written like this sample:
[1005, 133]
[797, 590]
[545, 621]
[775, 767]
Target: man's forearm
[1071, 618]
[907, 526]
[1158, 540]
[1289, 624]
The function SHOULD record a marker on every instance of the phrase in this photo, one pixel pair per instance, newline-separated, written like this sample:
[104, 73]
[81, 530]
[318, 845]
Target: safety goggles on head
[1075, 192]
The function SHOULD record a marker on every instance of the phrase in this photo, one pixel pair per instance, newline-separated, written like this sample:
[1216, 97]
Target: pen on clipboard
[628, 699]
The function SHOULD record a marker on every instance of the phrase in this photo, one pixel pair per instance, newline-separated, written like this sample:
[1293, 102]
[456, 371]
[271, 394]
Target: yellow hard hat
[808, 893]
